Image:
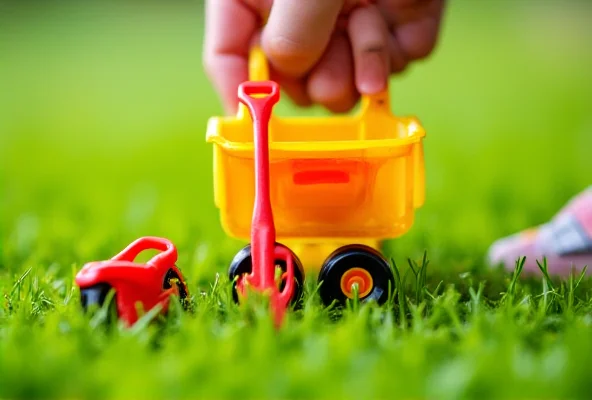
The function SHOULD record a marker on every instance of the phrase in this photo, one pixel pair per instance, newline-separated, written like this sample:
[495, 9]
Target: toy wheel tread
[172, 278]
[358, 265]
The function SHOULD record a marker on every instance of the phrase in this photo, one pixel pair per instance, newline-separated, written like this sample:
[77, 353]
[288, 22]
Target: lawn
[103, 109]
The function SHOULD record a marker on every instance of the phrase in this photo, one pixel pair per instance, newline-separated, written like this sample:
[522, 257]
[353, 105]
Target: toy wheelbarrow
[147, 285]
[337, 186]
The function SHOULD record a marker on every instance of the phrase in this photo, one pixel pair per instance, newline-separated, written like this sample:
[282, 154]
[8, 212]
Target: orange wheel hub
[358, 276]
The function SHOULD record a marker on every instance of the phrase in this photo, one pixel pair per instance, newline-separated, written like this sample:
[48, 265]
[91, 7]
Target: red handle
[263, 248]
[167, 257]
[262, 224]
[259, 106]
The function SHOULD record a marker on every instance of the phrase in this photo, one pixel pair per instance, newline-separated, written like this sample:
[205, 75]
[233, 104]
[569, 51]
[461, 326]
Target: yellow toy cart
[338, 186]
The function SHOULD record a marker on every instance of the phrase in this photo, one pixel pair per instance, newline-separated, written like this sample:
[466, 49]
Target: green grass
[103, 108]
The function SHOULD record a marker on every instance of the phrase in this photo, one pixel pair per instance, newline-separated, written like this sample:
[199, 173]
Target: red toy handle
[259, 106]
[168, 255]
[264, 251]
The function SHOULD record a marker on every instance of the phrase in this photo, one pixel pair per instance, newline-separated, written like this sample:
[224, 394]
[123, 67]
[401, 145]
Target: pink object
[565, 241]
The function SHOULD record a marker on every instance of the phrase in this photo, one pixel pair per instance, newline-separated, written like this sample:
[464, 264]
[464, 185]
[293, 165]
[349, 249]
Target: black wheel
[94, 296]
[172, 278]
[352, 264]
[242, 264]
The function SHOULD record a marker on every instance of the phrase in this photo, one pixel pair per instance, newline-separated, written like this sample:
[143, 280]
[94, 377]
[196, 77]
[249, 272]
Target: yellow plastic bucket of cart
[334, 180]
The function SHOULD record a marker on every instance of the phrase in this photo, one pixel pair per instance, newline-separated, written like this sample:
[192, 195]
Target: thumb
[297, 33]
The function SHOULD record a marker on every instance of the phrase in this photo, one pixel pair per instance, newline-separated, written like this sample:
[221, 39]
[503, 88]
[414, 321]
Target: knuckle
[374, 48]
[419, 49]
[330, 92]
[340, 102]
[334, 97]
[284, 48]
[290, 57]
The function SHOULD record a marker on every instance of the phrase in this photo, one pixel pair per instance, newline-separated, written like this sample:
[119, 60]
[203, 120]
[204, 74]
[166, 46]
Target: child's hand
[313, 57]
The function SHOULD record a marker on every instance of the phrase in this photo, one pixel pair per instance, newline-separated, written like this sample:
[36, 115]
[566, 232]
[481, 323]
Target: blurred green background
[104, 104]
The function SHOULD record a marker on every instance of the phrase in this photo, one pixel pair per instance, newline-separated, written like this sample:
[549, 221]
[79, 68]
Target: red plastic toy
[265, 251]
[148, 284]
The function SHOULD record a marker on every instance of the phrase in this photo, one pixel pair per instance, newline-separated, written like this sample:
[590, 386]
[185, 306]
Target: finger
[297, 33]
[369, 38]
[398, 58]
[416, 25]
[226, 50]
[331, 82]
[417, 39]
[399, 12]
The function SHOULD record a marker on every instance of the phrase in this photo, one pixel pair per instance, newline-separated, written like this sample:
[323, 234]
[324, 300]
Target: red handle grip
[259, 105]
[168, 255]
